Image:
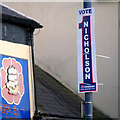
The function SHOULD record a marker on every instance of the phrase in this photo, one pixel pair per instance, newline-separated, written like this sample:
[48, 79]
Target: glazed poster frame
[20, 55]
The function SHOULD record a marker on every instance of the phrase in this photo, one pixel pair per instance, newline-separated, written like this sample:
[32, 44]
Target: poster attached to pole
[87, 75]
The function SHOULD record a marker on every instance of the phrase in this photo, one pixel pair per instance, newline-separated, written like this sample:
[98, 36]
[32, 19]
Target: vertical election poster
[86, 53]
[15, 81]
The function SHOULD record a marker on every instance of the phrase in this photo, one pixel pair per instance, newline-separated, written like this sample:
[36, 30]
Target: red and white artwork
[12, 86]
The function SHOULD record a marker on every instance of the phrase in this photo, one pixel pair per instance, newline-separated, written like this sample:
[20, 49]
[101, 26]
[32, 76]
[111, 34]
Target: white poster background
[79, 48]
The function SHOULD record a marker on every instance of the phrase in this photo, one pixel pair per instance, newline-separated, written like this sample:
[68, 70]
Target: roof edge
[13, 15]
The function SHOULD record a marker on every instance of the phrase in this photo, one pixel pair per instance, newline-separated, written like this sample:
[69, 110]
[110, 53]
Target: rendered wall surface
[56, 46]
[107, 69]
[118, 56]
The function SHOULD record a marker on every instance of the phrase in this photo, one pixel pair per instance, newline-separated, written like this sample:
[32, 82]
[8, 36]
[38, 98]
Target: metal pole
[87, 4]
[88, 96]
[88, 106]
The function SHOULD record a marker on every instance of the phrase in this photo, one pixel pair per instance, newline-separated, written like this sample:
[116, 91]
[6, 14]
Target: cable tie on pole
[89, 102]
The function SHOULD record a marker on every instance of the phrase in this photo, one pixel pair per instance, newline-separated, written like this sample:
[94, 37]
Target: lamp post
[88, 96]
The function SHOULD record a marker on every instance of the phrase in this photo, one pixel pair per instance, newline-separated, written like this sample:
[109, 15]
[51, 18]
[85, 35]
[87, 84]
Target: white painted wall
[56, 46]
[107, 44]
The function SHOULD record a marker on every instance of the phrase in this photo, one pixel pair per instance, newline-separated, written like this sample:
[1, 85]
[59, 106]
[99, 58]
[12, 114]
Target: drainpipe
[30, 39]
